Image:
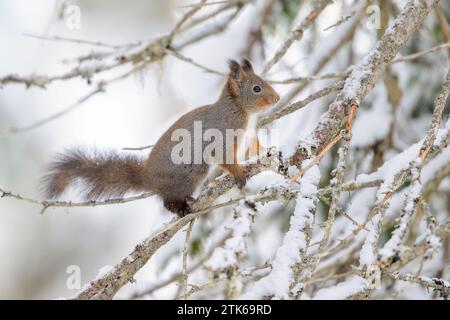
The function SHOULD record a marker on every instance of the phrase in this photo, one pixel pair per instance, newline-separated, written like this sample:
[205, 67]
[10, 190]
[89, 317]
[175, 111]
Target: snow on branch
[279, 282]
[413, 198]
[364, 76]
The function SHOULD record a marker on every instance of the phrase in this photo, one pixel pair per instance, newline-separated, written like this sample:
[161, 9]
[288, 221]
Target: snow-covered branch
[351, 204]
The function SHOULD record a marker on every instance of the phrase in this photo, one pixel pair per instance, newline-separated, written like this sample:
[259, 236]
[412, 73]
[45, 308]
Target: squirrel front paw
[184, 211]
[240, 180]
[237, 173]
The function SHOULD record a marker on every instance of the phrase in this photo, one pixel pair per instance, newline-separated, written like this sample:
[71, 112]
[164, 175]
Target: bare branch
[108, 285]
[440, 285]
[196, 64]
[421, 53]
[184, 273]
[100, 88]
[185, 17]
[82, 41]
[297, 33]
[300, 104]
[69, 204]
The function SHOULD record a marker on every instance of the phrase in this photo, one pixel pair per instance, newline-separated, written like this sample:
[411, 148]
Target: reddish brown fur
[263, 103]
[235, 169]
[255, 148]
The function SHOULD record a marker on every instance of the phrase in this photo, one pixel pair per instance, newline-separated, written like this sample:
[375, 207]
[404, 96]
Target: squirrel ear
[247, 65]
[236, 70]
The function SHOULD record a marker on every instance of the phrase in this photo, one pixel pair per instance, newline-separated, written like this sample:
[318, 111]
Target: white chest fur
[248, 136]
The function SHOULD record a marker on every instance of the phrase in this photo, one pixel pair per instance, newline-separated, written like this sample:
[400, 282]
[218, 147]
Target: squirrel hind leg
[180, 207]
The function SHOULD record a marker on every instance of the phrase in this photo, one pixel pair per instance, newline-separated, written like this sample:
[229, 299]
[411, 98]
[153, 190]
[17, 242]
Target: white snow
[103, 271]
[391, 168]
[342, 290]
[280, 278]
[367, 254]
[395, 242]
[235, 247]
[373, 125]
[430, 169]
[263, 180]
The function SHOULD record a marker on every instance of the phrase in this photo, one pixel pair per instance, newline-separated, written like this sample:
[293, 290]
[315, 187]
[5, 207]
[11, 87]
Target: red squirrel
[107, 174]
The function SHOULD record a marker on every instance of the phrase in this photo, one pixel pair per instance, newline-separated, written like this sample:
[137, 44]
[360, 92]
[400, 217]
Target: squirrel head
[251, 92]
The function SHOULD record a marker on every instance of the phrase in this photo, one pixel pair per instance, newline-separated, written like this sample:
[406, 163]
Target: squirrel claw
[181, 207]
[185, 208]
[184, 212]
[240, 180]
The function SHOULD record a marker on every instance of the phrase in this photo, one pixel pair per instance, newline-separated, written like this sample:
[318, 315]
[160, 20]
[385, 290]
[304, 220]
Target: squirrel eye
[257, 89]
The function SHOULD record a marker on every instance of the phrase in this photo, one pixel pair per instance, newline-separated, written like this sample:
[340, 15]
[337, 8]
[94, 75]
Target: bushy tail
[104, 174]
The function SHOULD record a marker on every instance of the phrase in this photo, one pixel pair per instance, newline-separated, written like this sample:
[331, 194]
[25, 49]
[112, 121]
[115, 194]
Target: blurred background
[36, 249]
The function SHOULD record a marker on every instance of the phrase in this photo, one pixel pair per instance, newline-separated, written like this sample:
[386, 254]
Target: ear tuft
[235, 69]
[247, 65]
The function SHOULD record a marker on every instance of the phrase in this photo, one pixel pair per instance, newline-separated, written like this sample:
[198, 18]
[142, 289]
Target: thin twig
[100, 88]
[421, 53]
[177, 276]
[185, 17]
[184, 273]
[82, 41]
[282, 112]
[327, 76]
[342, 20]
[196, 64]
[138, 148]
[297, 33]
[211, 3]
[444, 25]
[46, 204]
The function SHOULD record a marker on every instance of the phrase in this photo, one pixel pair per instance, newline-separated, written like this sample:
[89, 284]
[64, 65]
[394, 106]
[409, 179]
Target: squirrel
[107, 174]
